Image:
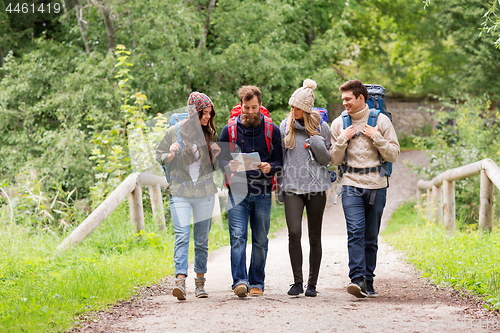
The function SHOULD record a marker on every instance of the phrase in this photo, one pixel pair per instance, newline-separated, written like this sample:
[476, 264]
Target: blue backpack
[322, 112]
[376, 99]
[174, 120]
[376, 103]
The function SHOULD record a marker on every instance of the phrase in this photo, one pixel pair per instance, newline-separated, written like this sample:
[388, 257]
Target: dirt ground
[407, 302]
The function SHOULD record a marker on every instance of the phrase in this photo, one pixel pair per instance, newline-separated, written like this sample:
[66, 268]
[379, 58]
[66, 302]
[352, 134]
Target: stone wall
[407, 117]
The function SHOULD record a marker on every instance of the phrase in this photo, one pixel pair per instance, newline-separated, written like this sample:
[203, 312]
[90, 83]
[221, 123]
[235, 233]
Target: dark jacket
[249, 140]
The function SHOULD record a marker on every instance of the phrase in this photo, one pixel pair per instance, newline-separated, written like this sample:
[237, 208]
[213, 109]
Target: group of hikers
[294, 160]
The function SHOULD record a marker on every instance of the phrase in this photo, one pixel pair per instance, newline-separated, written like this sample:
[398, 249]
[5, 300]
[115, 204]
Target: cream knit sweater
[363, 151]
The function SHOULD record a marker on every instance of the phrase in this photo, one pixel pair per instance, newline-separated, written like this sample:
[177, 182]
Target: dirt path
[406, 303]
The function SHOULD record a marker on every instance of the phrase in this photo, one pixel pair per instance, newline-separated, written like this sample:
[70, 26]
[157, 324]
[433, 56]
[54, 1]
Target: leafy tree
[495, 22]
[417, 51]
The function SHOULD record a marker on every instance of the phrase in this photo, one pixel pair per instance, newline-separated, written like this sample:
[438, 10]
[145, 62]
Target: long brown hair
[311, 125]
[190, 134]
[209, 131]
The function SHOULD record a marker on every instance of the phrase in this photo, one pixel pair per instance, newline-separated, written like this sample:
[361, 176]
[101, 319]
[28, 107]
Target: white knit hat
[303, 98]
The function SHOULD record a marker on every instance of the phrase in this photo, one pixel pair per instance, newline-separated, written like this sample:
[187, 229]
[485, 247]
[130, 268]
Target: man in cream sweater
[360, 149]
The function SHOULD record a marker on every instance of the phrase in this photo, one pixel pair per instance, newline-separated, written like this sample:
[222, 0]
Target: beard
[251, 122]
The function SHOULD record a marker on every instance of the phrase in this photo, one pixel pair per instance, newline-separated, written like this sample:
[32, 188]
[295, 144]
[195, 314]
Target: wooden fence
[440, 204]
[131, 187]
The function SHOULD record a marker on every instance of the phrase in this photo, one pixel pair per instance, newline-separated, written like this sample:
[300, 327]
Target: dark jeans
[363, 226]
[315, 206]
[241, 208]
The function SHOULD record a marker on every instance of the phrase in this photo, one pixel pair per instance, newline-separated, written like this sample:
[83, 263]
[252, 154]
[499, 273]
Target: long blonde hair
[311, 125]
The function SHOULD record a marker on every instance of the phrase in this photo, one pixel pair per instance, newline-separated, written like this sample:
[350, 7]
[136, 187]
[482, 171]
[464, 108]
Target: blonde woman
[306, 146]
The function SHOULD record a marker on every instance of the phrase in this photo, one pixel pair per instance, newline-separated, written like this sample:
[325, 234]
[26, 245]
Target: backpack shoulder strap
[179, 139]
[346, 122]
[178, 133]
[232, 132]
[321, 121]
[372, 118]
[231, 128]
[269, 133]
[346, 119]
[372, 121]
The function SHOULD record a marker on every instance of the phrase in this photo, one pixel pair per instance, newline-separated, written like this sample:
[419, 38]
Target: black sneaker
[357, 287]
[370, 292]
[296, 289]
[311, 291]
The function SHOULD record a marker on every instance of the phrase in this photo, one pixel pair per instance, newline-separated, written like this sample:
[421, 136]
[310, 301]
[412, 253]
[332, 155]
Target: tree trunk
[206, 26]
[108, 23]
[1, 57]
[83, 26]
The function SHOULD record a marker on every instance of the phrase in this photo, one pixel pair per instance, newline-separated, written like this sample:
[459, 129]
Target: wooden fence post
[94, 220]
[486, 203]
[157, 206]
[437, 207]
[429, 205]
[136, 208]
[449, 204]
[419, 197]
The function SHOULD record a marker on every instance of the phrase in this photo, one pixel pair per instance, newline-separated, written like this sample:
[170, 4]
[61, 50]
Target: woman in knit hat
[190, 164]
[306, 145]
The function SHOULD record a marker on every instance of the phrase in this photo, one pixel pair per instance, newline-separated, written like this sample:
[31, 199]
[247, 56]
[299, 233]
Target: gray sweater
[301, 172]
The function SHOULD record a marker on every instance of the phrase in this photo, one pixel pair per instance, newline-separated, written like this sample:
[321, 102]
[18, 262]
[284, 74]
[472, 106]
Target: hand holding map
[250, 161]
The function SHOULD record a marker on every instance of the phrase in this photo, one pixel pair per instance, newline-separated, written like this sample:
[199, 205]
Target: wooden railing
[131, 187]
[441, 193]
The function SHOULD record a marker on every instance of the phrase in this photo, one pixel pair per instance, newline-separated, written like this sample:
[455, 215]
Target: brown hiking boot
[241, 290]
[179, 290]
[256, 292]
[199, 289]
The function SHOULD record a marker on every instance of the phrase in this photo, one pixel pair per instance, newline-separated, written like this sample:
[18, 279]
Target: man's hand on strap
[369, 131]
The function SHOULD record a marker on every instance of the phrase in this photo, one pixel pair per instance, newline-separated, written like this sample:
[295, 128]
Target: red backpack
[233, 132]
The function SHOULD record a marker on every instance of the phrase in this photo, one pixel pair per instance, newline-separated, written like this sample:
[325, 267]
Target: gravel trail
[407, 303]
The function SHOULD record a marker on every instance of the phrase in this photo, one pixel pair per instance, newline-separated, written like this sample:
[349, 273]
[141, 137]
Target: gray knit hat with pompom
[303, 98]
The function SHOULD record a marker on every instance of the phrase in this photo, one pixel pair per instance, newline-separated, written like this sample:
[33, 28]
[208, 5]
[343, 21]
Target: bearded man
[250, 191]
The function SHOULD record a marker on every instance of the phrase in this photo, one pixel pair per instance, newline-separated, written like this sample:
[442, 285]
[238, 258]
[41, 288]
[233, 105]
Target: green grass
[465, 260]
[278, 220]
[41, 290]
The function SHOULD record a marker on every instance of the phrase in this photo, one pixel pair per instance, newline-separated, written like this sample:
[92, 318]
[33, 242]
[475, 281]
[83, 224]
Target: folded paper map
[248, 161]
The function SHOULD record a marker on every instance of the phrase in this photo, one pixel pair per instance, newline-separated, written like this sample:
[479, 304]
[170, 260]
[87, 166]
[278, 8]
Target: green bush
[468, 131]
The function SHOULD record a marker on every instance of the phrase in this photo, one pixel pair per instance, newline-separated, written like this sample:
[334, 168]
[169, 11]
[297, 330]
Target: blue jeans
[363, 226]
[202, 209]
[257, 207]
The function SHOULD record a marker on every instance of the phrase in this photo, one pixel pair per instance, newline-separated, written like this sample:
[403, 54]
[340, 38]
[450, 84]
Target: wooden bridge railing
[441, 193]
